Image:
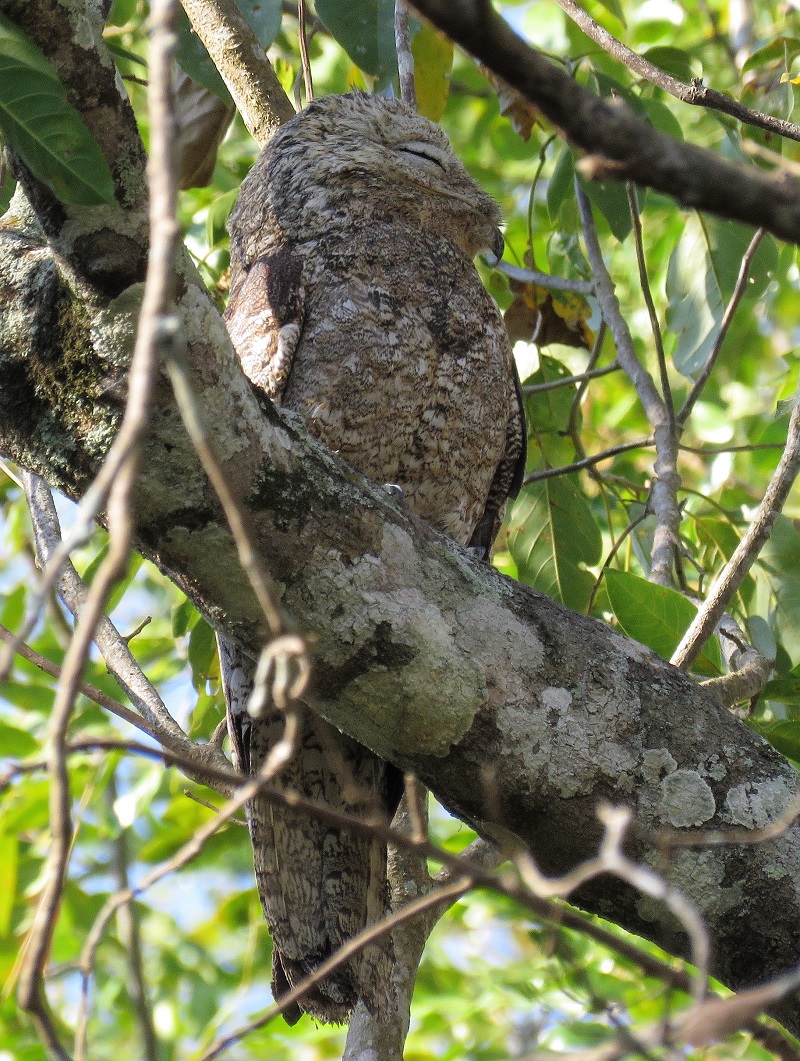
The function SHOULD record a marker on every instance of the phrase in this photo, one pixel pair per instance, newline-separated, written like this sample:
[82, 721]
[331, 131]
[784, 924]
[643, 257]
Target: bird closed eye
[427, 152]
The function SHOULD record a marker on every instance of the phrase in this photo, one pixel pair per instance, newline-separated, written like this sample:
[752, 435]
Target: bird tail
[320, 884]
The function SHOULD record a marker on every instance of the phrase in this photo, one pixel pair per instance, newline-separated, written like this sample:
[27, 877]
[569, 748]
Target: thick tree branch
[439, 664]
[697, 94]
[619, 145]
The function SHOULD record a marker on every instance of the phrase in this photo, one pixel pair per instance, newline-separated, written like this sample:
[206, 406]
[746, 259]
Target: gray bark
[518, 714]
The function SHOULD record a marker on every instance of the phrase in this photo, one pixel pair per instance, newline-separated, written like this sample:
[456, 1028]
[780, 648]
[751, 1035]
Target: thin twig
[74, 592]
[746, 553]
[304, 58]
[696, 94]
[353, 946]
[727, 317]
[405, 59]
[566, 381]
[257, 575]
[586, 462]
[644, 283]
[667, 481]
[89, 691]
[459, 865]
[131, 939]
[546, 280]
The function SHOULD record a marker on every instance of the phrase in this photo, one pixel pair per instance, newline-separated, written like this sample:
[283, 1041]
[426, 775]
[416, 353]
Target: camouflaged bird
[354, 302]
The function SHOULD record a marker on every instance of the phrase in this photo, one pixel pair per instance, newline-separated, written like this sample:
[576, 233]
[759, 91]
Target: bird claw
[394, 491]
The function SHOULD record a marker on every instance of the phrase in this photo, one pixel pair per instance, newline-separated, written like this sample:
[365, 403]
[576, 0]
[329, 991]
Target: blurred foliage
[492, 984]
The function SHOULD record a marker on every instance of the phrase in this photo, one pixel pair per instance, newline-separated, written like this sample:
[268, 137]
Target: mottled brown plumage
[355, 303]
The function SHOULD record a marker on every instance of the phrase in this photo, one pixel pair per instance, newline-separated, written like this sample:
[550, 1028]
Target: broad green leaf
[615, 8]
[217, 216]
[552, 533]
[203, 653]
[661, 117]
[783, 735]
[44, 128]
[779, 49]
[14, 742]
[727, 244]
[561, 183]
[546, 413]
[611, 200]
[656, 616]
[365, 29]
[672, 61]
[121, 585]
[720, 540]
[695, 305]
[433, 60]
[785, 689]
[184, 618]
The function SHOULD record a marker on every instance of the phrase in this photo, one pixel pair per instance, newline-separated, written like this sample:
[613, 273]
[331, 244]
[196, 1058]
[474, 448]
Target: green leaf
[184, 618]
[656, 616]
[695, 305]
[9, 855]
[15, 743]
[203, 653]
[672, 61]
[433, 60]
[552, 532]
[561, 183]
[121, 585]
[217, 216]
[365, 29]
[786, 689]
[611, 200]
[46, 131]
[784, 736]
[614, 7]
[727, 244]
[779, 50]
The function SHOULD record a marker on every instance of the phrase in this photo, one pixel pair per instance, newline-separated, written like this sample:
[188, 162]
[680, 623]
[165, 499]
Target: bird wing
[265, 318]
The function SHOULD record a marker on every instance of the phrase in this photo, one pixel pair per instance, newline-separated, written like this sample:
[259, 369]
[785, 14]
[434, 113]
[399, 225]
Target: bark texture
[517, 713]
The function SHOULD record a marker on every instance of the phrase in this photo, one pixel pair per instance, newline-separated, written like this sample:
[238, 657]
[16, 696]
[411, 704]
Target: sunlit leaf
[433, 59]
[656, 616]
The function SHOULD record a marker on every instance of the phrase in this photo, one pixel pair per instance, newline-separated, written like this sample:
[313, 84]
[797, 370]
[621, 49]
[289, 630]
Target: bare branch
[618, 144]
[746, 552]
[665, 489]
[405, 60]
[697, 94]
[546, 280]
[567, 381]
[587, 462]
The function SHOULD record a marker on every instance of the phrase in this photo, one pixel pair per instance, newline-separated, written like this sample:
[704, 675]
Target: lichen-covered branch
[436, 662]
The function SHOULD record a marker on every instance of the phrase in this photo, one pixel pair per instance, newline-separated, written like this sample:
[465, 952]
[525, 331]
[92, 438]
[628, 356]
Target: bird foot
[394, 491]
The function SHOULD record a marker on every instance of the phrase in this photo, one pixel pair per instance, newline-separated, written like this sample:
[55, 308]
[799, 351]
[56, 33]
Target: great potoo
[355, 303]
